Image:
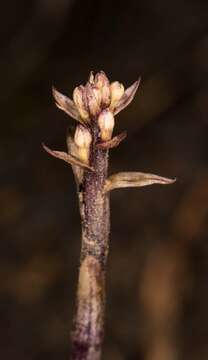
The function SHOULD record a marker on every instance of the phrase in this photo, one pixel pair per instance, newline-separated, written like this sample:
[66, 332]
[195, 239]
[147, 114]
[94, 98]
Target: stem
[87, 335]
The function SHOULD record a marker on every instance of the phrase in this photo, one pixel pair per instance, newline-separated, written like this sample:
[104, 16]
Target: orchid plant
[94, 107]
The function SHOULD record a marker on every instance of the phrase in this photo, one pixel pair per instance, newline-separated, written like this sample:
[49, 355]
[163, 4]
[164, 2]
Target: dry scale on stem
[94, 107]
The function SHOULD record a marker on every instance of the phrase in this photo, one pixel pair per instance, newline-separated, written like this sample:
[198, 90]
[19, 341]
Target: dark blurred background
[157, 283]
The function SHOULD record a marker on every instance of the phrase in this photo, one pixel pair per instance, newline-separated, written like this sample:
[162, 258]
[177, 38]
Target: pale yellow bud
[82, 136]
[82, 139]
[117, 91]
[78, 97]
[106, 124]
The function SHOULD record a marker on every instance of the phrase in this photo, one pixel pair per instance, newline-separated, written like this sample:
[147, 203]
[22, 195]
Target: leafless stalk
[94, 107]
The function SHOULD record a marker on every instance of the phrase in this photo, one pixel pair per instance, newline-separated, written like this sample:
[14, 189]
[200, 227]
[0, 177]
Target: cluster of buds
[98, 101]
[94, 104]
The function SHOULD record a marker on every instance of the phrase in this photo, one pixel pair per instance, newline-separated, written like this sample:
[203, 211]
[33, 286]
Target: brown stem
[87, 334]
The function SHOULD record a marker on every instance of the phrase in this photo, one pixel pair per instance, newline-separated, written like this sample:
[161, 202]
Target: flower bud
[82, 136]
[102, 83]
[82, 139]
[117, 91]
[78, 97]
[93, 99]
[106, 124]
[101, 79]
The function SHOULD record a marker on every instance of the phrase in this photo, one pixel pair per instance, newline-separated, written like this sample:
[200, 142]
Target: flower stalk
[94, 107]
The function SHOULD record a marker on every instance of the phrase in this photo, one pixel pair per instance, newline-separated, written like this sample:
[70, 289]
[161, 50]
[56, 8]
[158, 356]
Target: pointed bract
[134, 179]
[66, 104]
[70, 159]
[127, 97]
[114, 142]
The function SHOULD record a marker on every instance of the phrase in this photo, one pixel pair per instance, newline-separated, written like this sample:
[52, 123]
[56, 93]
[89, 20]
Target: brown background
[158, 265]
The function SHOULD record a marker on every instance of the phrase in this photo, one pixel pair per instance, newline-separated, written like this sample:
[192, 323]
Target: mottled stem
[87, 333]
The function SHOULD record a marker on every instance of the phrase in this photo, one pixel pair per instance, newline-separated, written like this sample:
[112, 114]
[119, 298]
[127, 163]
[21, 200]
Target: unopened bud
[117, 91]
[93, 99]
[78, 97]
[106, 124]
[101, 79]
[82, 136]
[82, 139]
[102, 83]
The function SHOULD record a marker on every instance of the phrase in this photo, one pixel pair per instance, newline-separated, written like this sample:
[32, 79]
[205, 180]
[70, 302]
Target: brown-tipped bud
[83, 139]
[102, 83]
[117, 91]
[106, 124]
[78, 97]
[101, 79]
[93, 99]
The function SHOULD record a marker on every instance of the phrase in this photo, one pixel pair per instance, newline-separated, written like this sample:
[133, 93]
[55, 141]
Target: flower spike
[94, 105]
